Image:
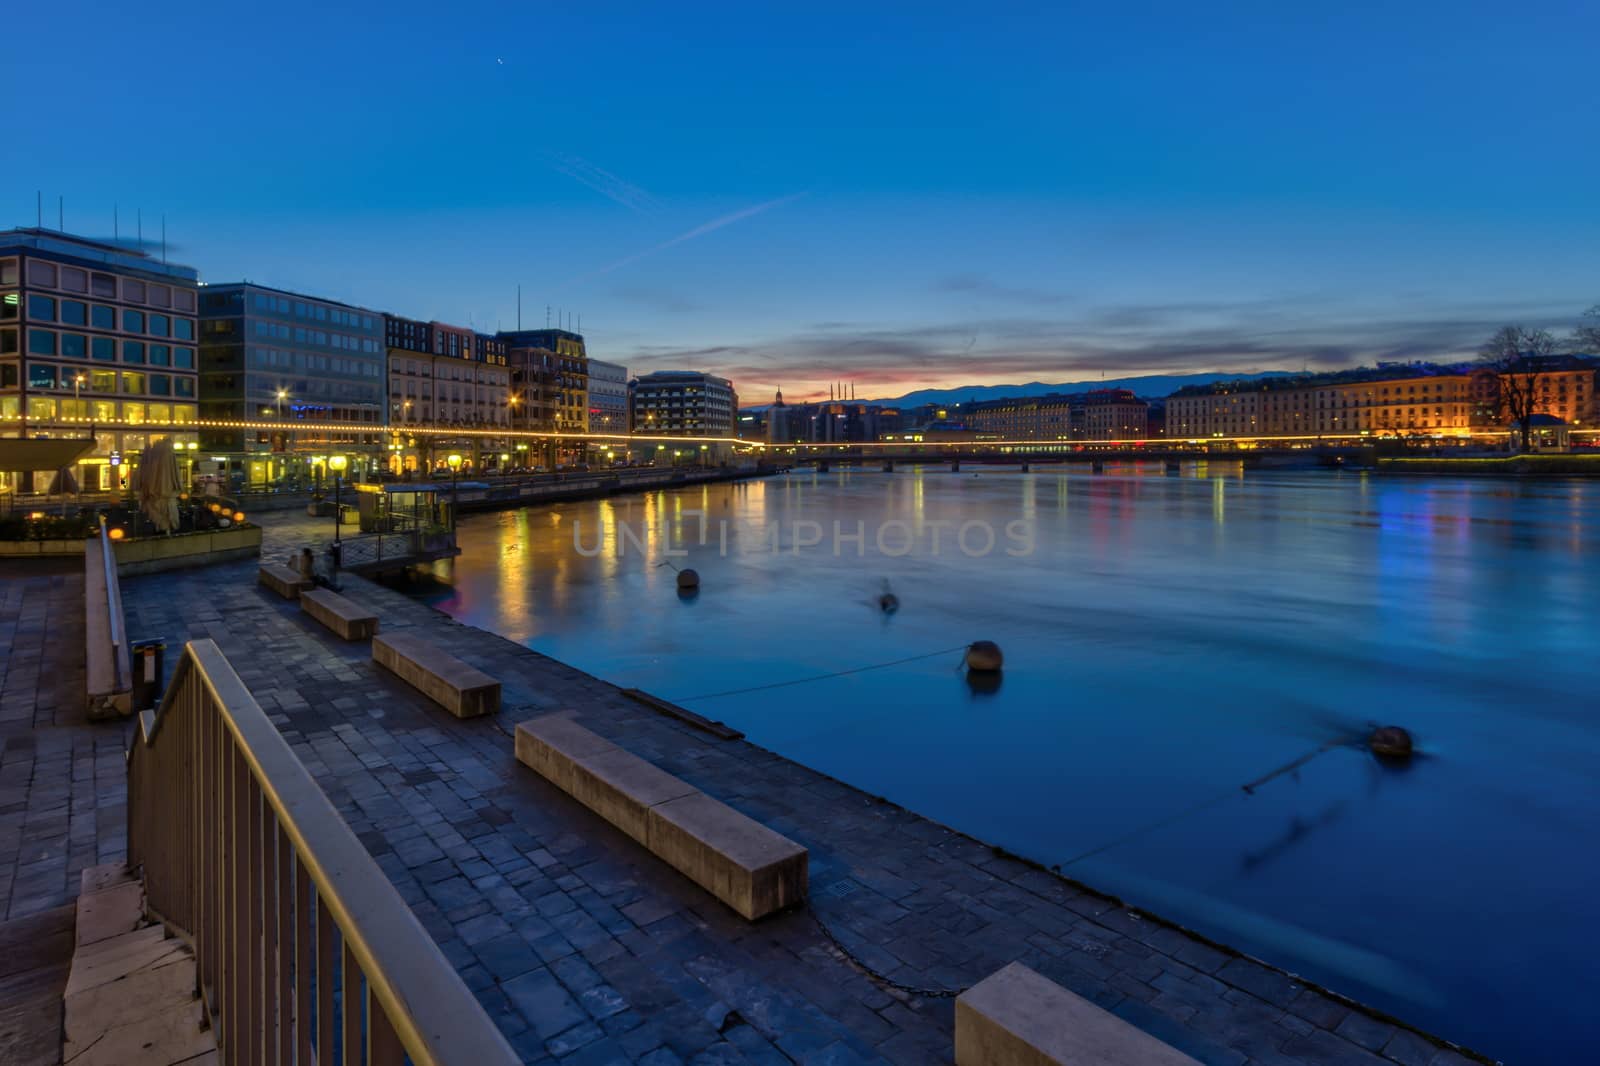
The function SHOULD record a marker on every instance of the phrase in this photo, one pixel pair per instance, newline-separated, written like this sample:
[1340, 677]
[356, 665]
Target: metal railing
[115, 621]
[370, 549]
[305, 951]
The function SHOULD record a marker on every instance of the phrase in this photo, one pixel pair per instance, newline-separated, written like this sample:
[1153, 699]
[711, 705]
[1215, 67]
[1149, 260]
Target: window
[41, 273]
[160, 326]
[41, 342]
[41, 309]
[183, 300]
[133, 351]
[75, 345]
[74, 280]
[160, 296]
[103, 380]
[160, 413]
[160, 355]
[103, 317]
[8, 271]
[8, 341]
[10, 306]
[133, 384]
[132, 291]
[183, 329]
[103, 410]
[103, 348]
[183, 386]
[103, 285]
[133, 414]
[8, 375]
[41, 376]
[42, 408]
[132, 321]
[183, 358]
[160, 385]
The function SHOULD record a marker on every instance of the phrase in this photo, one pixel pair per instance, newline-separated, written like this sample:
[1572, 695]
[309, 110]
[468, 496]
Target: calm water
[1168, 640]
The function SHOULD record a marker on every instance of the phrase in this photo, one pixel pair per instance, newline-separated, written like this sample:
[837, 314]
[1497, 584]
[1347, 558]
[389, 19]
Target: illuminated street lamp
[453, 461]
[337, 463]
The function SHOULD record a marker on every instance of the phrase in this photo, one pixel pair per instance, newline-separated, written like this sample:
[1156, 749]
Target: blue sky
[894, 194]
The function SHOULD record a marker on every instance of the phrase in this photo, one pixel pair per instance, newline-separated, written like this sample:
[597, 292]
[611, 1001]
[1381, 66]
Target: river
[1167, 640]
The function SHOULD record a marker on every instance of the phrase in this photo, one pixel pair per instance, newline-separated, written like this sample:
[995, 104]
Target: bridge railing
[302, 944]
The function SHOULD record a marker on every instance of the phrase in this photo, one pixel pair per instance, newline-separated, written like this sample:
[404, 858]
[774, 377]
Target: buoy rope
[820, 677]
[1249, 789]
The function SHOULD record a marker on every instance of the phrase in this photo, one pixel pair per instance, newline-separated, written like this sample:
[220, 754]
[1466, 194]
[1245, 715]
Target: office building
[608, 397]
[299, 363]
[95, 338]
[683, 403]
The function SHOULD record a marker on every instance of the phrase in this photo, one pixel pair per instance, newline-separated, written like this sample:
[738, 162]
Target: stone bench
[740, 861]
[348, 619]
[464, 691]
[1017, 1017]
[286, 581]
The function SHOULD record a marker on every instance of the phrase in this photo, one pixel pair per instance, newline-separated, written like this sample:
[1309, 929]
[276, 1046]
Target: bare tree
[1586, 338]
[1518, 357]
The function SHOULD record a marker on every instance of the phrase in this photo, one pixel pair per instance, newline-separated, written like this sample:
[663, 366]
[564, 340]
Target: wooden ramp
[130, 999]
[35, 954]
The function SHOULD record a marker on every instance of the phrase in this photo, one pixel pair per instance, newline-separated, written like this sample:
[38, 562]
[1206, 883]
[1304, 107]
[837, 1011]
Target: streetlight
[283, 394]
[336, 463]
[453, 461]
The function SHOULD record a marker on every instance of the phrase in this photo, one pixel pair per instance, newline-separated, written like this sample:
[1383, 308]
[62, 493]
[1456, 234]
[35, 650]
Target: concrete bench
[464, 691]
[1017, 1017]
[740, 861]
[286, 581]
[350, 620]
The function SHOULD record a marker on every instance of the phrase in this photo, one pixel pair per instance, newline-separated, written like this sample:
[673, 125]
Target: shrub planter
[150, 555]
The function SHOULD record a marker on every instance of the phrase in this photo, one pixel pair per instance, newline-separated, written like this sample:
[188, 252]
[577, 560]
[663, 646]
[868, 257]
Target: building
[313, 369]
[95, 339]
[1102, 415]
[550, 377]
[776, 426]
[608, 397]
[683, 403]
[443, 377]
[1397, 400]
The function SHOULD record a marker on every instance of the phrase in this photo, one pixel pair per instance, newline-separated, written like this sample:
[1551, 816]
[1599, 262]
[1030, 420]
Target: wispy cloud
[1120, 340]
[699, 231]
[603, 182]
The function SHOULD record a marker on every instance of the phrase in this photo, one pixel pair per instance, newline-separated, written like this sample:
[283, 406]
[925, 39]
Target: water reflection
[1168, 639]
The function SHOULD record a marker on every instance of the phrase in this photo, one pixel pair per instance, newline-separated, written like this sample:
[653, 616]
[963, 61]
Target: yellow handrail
[239, 845]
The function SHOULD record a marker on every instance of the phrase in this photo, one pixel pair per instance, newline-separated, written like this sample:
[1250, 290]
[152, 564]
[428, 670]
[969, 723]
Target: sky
[892, 195]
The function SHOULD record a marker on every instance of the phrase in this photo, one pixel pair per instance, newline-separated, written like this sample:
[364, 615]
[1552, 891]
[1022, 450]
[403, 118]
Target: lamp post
[337, 463]
[453, 461]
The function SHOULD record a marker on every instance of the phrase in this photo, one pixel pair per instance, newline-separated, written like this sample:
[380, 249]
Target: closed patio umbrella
[157, 487]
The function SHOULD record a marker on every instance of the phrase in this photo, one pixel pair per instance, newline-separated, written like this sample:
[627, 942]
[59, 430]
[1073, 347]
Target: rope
[1248, 789]
[820, 677]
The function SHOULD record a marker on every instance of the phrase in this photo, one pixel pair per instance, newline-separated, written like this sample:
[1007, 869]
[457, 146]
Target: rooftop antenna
[519, 305]
[116, 231]
[546, 316]
[61, 213]
[140, 220]
[38, 209]
[163, 238]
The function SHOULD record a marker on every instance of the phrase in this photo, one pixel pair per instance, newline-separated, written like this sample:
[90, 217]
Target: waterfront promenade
[584, 948]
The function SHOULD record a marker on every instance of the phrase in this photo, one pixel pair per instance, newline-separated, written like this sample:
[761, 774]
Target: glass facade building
[294, 362]
[99, 339]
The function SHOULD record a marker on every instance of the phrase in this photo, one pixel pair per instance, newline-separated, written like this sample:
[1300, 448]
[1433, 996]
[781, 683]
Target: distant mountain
[1151, 387]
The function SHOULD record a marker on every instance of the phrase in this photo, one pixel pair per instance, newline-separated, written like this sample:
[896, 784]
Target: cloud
[1123, 340]
[689, 235]
[603, 182]
[977, 285]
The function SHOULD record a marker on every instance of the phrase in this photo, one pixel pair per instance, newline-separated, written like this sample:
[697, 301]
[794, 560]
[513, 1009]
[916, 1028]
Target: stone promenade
[583, 947]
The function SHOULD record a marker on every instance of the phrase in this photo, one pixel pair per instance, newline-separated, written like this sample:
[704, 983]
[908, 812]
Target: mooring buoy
[984, 655]
[688, 579]
[1390, 742]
